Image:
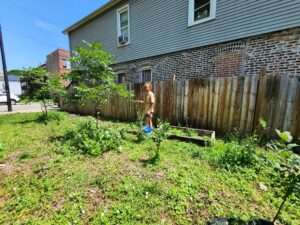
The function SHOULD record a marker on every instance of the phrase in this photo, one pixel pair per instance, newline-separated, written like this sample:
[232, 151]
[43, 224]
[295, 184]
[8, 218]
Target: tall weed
[87, 138]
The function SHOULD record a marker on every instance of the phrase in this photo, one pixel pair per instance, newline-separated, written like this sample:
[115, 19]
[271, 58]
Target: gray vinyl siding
[158, 27]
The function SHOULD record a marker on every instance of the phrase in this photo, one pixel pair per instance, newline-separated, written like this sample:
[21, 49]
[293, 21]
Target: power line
[29, 37]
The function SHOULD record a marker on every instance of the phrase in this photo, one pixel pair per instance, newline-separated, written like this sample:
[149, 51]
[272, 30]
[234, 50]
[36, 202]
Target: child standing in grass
[149, 104]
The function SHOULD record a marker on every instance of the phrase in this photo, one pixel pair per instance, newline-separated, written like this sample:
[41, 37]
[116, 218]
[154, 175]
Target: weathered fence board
[216, 103]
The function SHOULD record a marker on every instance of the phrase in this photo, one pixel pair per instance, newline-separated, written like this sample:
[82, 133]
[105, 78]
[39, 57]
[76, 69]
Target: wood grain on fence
[217, 103]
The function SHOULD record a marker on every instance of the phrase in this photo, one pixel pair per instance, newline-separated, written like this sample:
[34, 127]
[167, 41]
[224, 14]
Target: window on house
[121, 78]
[201, 11]
[66, 64]
[123, 26]
[146, 76]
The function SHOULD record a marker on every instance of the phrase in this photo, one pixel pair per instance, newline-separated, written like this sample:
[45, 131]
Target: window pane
[64, 63]
[146, 75]
[199, 3]
[202, 9]
[124, 31]
[124, 19]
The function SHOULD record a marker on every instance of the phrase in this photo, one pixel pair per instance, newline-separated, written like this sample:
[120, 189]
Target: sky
[32, 29]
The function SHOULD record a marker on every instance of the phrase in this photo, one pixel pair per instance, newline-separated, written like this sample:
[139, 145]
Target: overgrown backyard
[45, 179]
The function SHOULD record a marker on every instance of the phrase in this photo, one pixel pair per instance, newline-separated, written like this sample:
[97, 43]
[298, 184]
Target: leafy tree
[33, 77]
[43, 87]
[92, 80]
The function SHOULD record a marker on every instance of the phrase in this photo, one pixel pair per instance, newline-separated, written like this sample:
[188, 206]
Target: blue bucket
[147, 129]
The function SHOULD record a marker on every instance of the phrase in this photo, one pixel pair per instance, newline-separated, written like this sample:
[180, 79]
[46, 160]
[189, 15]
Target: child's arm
[138, 101]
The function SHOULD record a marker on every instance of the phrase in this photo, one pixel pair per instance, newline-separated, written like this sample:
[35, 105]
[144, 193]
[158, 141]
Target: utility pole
[5, 73]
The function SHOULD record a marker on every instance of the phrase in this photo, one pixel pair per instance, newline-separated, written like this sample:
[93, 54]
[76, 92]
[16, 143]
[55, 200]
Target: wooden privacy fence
[217, 103]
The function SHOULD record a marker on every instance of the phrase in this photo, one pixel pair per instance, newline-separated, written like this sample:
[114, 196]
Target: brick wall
[278, 53]
[54, 63]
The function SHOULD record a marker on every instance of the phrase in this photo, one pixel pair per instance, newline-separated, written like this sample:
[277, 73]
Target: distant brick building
[58, 63]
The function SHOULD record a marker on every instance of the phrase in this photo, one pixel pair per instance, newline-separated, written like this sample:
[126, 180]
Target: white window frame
[66, 64]
[191, 19]
[119, 11]
[141, 74]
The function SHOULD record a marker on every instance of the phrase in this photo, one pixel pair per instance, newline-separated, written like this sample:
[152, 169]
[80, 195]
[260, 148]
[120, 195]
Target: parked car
[13, 98]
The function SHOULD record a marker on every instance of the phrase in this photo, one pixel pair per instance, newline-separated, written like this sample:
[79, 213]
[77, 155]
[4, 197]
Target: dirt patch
[11, 165]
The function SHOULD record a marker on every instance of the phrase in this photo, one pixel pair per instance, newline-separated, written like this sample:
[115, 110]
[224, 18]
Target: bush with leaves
[284, 142]
[237, 156]
[87, 138]
[139, 124]
[92, 80]
[160, 133]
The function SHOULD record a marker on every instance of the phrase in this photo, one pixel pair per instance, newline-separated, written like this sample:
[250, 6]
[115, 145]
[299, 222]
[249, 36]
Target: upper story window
[66, 64]
[146, 76]
[201, 11]
[123, 26]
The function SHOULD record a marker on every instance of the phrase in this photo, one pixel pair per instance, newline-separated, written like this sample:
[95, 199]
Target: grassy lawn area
[43, 181]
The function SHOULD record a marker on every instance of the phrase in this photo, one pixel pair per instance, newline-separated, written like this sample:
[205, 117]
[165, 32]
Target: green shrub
[160, 134]
[89, 139]
[138, 126]
[237, 156]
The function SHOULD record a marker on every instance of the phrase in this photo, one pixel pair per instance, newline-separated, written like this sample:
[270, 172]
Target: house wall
[160, 27]
[277, 53]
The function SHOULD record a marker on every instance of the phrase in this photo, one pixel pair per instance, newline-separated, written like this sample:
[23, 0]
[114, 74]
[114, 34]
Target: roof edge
[92, 15]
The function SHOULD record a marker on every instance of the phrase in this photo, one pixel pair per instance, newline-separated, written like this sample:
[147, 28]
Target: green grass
[43, 182]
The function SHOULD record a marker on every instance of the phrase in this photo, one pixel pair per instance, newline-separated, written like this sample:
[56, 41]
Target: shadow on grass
[42, 118]
[60, 138]
[222, 221]
[154, 160]
[26, 121]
